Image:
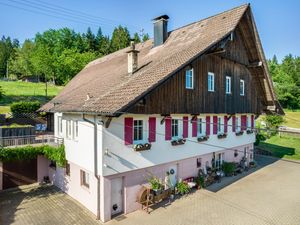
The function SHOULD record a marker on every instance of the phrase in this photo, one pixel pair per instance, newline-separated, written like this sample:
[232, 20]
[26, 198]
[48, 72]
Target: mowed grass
[283, 147]
[15, 91]
[292, 118]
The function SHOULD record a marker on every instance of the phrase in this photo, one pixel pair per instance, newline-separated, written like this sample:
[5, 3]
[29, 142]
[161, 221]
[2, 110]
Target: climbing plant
[56, 154]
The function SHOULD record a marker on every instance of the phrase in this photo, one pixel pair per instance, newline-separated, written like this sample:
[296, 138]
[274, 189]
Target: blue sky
[277, 21]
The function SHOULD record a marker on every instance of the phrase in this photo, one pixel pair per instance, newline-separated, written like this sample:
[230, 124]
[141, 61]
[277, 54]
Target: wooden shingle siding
[173, 97]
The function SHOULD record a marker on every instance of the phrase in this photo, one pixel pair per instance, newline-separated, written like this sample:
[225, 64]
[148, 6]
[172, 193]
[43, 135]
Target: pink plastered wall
[1, 176]
[72, 185]
[185, 168]
[42, 168]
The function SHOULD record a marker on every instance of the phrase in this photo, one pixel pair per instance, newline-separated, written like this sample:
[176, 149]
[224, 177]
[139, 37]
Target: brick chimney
[132, 58]
[160, 29]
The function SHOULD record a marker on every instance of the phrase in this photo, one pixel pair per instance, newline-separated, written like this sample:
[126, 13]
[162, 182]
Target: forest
[58, 55]
[286, 79]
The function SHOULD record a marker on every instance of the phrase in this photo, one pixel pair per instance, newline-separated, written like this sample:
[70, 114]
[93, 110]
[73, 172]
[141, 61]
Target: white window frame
[237, 124]
[242, 87]
[228, 85]
[189, 79]
[75, 129]
[68, 129]
[137, 125]
[85, 179]
[219, 125]
[200, 126]
[211, 82]
[174, 128]
[59, 125]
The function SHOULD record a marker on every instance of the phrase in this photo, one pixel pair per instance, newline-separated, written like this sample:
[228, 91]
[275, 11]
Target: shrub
[56, 154]
[155, 183]
[25, 107]
[228, 168]
[1, 92]
[182, 187]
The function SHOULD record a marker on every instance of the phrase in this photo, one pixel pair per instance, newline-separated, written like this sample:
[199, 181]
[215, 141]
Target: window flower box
[178, 142]
[142, 147]
[240, 133]
[249, 131]
[222, 135]
[202, 138]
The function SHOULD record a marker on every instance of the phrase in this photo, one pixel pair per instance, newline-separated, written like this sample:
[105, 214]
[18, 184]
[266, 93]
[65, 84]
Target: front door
[173, 175]
[116, 196]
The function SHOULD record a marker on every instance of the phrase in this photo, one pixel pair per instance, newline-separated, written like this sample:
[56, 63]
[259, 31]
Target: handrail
[30, 140]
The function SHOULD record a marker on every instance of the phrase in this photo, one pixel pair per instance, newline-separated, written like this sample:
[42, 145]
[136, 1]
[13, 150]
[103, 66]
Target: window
[219, 125]
[242, 87]
[68, 169]
[138, 130]
[59, 125]
[199, 162]
[228, 85]
[219, 161]
[248, 122]
[237, 126]
[189, 79]
[174, 128]
[211, 81]
[199, 128]
[85, 179]
[75, 127]
[69, 129]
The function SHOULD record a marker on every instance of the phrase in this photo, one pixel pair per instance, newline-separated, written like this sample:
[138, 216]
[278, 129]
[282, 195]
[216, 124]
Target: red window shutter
[185, 123]
[194, 127]
[233, 123]
[207, 125]
[128, 131]
[152, 129]
[225, 124]
[168, 131]
[252, 121]
[215, 124]
[243, 122]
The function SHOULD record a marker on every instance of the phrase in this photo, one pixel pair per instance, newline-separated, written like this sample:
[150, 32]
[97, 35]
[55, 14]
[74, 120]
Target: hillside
[15, 91]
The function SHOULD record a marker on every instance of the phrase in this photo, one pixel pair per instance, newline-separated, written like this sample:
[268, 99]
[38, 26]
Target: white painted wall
[79, 151]
[122, 158]
[115, 157]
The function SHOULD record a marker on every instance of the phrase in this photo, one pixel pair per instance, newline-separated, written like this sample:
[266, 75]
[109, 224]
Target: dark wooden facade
[172, 96]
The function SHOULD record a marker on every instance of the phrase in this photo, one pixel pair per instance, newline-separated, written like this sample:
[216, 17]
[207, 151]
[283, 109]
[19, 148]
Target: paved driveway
[270, 195]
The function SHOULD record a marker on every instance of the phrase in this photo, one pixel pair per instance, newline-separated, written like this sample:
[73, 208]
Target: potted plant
[249, 131]
[202, 138]
[239, 133]
[222, 135]
[200, 181]
[228, 168]
[179, 141]
[142, 147]
[156, 185]
[182, 188]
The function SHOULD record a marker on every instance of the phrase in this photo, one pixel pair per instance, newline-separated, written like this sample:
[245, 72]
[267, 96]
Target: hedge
[56, 154]
[25, 107]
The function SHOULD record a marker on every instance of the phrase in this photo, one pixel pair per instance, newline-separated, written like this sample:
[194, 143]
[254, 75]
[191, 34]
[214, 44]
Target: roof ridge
[209, 17]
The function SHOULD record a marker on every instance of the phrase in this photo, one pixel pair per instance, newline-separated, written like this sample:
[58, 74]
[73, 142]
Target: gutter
[94, 123]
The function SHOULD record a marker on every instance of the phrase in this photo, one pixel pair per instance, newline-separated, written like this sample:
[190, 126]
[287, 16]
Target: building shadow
[11, 199]
[275, 150]
[261, 162]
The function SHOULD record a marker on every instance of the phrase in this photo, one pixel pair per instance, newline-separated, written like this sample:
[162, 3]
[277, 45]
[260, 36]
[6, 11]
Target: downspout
[95, 160]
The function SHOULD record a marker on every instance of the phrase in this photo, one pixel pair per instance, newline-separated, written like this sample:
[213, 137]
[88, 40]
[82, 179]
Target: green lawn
[25, 91]
[292, 118]
[283, 147]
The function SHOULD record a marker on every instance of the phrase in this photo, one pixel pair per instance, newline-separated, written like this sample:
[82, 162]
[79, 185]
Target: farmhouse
[183, 101]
